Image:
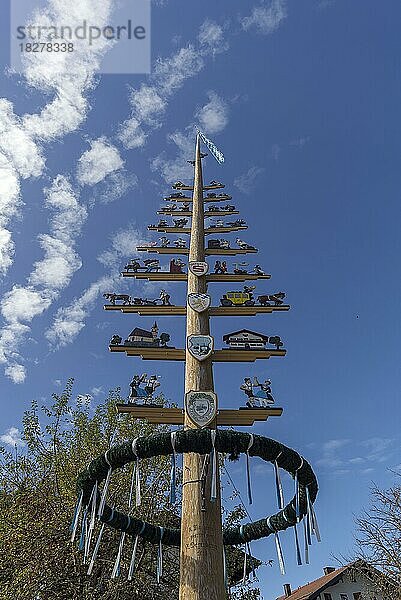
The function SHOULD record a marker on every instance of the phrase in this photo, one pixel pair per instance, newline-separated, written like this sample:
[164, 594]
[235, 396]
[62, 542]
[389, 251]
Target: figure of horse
[124, 298]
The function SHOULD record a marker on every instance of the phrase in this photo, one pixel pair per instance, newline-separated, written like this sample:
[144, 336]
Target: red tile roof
[311, 590]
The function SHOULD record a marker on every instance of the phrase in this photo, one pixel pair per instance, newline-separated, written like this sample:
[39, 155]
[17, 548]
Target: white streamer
[105, 488]
[137, 474]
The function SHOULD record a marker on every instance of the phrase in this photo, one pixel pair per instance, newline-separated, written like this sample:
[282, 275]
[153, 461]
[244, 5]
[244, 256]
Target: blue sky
[304, 100]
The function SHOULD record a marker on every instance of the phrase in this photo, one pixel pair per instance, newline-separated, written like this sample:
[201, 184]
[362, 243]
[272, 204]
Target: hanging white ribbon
[95, 550]
[116, 569]
[218, 155]
[83, 530]
[134, 550]
[297, 499]
[279, 486]
[173, 469]
[213, 486]
[297, 548]
[279, 550]
[224, 568]
[313, 518]
[92, 520]
[306, 545]
[105, 488]
[248, 469]
[137, 474]
[159, 570]
[74, 524]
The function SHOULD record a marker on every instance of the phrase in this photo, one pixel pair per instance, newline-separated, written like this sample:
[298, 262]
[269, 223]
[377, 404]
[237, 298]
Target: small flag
[218, 155]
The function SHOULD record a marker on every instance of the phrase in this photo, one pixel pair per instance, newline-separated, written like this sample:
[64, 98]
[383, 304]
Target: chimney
[327, 570]
[287, 589]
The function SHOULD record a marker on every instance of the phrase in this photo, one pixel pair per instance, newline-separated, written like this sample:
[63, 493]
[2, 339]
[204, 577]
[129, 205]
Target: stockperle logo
[115, 36]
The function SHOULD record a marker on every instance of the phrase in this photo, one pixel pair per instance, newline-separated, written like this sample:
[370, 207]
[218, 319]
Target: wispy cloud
[266, 19]
[213, 116]
[12, 437]
[335, 455]
[49, 276]
[300, 142]
[246, 182]
[68, 77]
[70, 320]
[150, 101]
[97, 163]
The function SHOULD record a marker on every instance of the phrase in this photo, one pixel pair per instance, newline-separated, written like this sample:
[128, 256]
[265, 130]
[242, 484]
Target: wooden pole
[201, 562]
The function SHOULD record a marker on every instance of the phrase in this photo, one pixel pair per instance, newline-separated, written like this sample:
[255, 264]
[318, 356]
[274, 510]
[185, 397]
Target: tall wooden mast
[201, 529]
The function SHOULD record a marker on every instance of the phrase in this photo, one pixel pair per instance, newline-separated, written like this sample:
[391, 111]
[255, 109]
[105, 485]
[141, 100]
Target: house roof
[140, 332]
[229, 335]
[314, 588]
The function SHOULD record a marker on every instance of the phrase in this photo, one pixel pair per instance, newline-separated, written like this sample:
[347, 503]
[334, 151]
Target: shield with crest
[198, 267]
[201, 407]
[199, 302]
[200, 346]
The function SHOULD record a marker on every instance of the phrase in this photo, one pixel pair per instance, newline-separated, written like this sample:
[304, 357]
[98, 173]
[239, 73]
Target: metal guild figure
[257, 399]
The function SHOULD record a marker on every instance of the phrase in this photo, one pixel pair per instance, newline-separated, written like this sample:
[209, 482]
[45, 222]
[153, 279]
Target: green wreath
[199, 441]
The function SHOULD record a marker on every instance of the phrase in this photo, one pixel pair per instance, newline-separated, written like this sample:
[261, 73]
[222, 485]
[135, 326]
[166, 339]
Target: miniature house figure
[116, 340]
[245, 339]
[177, 185]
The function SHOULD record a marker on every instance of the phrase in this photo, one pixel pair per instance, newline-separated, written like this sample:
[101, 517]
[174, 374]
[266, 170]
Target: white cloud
[12, 437]
[96, 391]
[69, 77]
[300, 142]
[49, 276]
[266, 19]
[149, 102]
[246, 182]
[115, 186]
[9, 204]
[211, 38]
[333, 445]
[57, 267]
[172, 169]
[95, 164]
[17, 145]
[70, 320]
[213, 116]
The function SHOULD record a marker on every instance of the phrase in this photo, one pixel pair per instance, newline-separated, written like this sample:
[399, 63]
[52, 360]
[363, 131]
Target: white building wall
[349, 587]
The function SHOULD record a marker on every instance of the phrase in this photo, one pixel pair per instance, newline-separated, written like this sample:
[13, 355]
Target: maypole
[201, 538]
[201, 530]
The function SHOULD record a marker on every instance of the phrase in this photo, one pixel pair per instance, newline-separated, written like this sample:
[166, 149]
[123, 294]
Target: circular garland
[199, 441]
